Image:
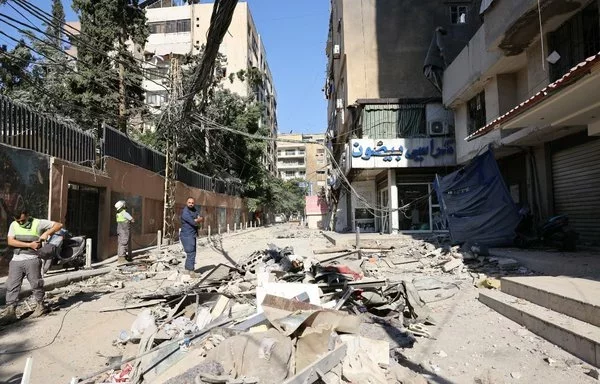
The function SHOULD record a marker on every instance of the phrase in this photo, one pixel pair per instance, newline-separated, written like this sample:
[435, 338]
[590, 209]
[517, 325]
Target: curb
[59, 281]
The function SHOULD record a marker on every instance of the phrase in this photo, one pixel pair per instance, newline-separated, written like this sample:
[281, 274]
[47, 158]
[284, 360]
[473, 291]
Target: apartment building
[178, 28]
[303, 160]
[532, 93]
[387, 125]
[181, 27]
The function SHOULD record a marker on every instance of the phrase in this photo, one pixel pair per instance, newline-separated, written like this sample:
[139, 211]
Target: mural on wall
[24, 183]
[134, 207]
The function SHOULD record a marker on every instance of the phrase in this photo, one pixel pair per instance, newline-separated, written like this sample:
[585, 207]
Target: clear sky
[294, 34]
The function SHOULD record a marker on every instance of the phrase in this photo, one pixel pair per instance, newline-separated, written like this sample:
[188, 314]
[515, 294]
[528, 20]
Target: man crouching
[25, 236]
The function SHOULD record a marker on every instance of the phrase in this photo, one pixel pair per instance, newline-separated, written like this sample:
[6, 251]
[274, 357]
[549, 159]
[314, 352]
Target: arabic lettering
[417, 154]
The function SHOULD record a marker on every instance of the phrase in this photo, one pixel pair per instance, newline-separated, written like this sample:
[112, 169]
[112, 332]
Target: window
[155, 73]
[156, 98]
[476, 111]
[171, 26]
[575, 40]
[458, 14]
[320, 172]
[301, 173]
[290, 173]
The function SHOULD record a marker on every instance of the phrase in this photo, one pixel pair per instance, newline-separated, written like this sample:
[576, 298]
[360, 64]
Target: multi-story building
[531, 92]
[178, 28]
[303, 160]
[387, 126]
[181, 27]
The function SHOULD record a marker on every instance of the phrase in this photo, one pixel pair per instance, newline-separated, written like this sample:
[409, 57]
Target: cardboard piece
[288, 291]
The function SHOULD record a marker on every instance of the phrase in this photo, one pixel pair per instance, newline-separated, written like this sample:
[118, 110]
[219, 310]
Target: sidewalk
[63, 278]
[583, 263]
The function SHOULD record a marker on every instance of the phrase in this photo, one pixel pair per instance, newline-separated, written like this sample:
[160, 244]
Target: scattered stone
[550, 361]
[516, 375]
[441, 354]
[452, 264]
[593, 373]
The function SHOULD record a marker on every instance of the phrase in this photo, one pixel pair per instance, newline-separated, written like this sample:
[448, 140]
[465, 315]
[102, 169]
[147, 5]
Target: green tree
[50, 75]
[16, 78]
[106, 27]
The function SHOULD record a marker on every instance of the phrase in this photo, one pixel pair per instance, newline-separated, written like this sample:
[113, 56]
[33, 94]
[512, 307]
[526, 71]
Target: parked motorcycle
[555, 232]
[63, 250]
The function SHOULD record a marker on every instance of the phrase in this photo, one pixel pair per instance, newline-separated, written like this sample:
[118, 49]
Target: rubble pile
[281, 316]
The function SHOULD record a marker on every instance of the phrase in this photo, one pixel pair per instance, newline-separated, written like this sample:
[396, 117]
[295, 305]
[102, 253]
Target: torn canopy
[476, 203]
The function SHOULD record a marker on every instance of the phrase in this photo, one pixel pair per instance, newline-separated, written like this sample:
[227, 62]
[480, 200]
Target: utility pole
[122, 101]
[173, 127]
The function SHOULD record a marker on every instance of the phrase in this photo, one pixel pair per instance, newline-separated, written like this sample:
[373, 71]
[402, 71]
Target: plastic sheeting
[477, 204]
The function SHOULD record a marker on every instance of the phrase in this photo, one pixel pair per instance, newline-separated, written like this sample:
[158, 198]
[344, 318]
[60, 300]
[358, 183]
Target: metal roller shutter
[576, 182]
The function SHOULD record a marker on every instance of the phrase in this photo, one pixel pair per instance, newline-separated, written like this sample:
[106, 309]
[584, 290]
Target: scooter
[555, 232]
[63, 250]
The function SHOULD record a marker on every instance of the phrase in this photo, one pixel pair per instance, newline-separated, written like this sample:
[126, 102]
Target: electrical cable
[48, 19]
[106, 86]
[62, 322]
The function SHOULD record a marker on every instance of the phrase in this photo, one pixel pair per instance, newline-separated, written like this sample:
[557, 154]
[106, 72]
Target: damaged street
[281, 304]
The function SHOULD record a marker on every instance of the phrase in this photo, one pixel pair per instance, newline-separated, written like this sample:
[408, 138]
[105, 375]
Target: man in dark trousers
[25, 236]
[190, 219]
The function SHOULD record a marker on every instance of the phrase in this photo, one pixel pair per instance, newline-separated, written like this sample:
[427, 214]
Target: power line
[36, 11]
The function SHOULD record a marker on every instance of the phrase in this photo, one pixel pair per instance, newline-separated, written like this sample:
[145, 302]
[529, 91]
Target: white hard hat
[120, 204]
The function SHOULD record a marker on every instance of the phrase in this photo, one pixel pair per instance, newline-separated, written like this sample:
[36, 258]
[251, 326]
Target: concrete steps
[574, 336]
[574, 297]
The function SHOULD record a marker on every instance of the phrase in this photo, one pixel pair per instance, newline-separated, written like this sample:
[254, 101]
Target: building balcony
[291, 165]
[288, 155]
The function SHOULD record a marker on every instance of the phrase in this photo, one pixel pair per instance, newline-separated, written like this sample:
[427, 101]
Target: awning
[565, 102]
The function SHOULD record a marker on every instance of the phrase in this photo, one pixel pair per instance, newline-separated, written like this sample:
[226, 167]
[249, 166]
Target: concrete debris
[285, 316]
[452, 264]
[593, 373]
[516, 375]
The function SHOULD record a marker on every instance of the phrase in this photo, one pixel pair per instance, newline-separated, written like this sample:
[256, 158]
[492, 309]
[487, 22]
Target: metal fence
[22, 127]
[121, 147]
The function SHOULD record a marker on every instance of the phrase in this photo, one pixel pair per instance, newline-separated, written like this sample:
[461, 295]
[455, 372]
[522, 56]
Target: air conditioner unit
[339, 103]
[438, 128]
[336, 51]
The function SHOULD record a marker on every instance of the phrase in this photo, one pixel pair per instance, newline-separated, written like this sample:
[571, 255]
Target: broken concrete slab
[378, 350]
[452, 264]
[265, 356]
[319, 368]
[288, 291]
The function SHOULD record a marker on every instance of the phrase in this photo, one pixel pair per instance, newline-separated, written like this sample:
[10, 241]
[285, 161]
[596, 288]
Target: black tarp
[476, 203]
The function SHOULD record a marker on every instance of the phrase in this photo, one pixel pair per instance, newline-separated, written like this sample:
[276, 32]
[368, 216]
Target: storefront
[390, 174]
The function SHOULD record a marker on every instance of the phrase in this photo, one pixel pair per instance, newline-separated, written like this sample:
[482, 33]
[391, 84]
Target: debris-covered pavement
[279, 305]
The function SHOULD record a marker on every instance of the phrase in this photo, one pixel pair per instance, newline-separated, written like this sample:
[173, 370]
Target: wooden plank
[338, 256]
[133, 306]
[330, 250]
[219, 307]
[261, 318]
[321, 366]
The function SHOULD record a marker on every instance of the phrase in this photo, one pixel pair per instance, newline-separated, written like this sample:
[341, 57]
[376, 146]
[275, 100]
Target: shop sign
[403, 153]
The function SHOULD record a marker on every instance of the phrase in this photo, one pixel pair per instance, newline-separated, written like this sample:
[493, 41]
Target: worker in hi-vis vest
[25, 236]
[124, 221]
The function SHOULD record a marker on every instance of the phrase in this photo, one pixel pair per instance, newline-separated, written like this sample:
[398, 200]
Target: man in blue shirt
[189, 231]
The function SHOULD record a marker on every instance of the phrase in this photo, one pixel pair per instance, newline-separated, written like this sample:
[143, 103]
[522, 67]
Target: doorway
[83, 203]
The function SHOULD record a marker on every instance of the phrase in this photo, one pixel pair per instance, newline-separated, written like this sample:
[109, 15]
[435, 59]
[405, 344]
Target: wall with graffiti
[24, 183]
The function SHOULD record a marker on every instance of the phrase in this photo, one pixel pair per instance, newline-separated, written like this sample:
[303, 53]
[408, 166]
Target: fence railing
[22, 127]
[122, 147]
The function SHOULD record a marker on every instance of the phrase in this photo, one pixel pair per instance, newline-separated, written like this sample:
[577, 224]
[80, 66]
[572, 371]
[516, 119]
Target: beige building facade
[180, 28]
[303, 160]
[387, 126]
[534, 98]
